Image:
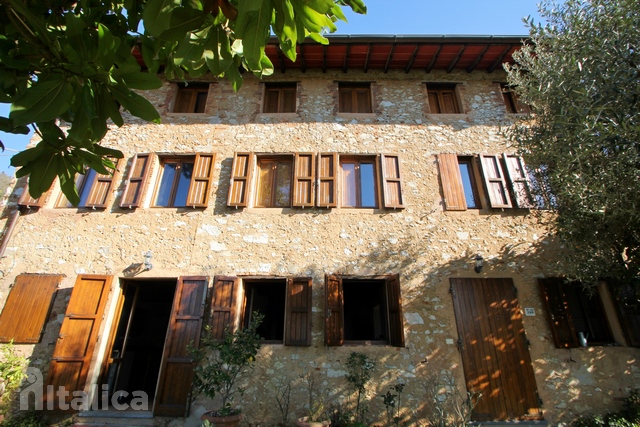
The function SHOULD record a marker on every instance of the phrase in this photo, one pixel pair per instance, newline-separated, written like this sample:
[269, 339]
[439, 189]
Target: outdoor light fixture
[147, 261]
[479, 263]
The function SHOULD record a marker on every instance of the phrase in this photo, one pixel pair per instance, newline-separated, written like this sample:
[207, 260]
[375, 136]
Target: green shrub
[629, 416]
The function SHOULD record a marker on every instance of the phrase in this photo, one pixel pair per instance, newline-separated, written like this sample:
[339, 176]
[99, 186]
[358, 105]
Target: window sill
[369, 116]
[293, 115]
[353, 343]
[447, 115]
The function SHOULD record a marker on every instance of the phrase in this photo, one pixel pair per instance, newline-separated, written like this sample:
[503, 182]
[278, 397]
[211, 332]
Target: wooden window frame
[473, 172]
[512, 102]
[179, 160]
[358, 160]
[279, 89]
[260, 159]
[201, 180]
[436, 97]
[351, 90]
[495, 181]
[98, 189]
[193, 90]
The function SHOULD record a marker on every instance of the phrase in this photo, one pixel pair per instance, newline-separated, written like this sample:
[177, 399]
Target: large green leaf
[43, 101]
[183, 21]
[190, 49]
[141, 80]
[357, 6]
[253, 27]
[43, 172]
[157, 15]
[75, 35]
[134, 103]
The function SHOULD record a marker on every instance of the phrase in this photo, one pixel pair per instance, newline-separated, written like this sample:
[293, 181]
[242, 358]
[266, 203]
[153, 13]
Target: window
[93, 189]
[354, 98]
[627, 298]
[26, 310]
[363, 310]
[443, 98]
[574, 314]
[279, 98]
[315, 180]
[175, 178]
[505, 178]
[285, 303]
[191, 98]
[511, 101]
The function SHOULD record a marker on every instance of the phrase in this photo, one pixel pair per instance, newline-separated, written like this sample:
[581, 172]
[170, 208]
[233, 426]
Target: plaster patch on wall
[209, 229]
[256, 238]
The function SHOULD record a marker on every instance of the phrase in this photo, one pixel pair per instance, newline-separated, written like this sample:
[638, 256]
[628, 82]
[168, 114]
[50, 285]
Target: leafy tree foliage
[580, 74]
[74, 60]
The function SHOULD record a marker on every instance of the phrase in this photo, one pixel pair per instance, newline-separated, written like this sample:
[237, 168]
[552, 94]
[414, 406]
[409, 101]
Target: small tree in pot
[221, 364]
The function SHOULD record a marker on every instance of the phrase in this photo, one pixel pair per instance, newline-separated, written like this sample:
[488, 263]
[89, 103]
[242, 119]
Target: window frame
[179, 160]
[511, 101]
[276, 159]
[279, 88]
[358, 161]
[199, 186]
[96, 187]
[193, 90]
[351, 90]
[436, 93]
[249, 286]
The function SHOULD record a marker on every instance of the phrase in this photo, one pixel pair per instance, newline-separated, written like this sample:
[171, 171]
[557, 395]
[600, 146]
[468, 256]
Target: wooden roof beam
[389, 58]
[303, 60]
[345, 65]
[366, 61]
[413, 58]
[499, 60]
[473, 66]
[434, 59]
[456, 59]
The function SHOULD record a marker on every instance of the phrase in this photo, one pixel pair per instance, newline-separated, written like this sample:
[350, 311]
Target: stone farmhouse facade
[364, 198]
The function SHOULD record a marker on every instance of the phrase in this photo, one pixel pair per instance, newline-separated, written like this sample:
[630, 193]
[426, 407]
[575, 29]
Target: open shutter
[560, 322]
[628, 307]
[304, 173]
[327, 182]
[26, 310]
[334, 311]
[240, 179]
[391, 181]
[29, 202]
[223, 305]
[394, 302]
[138, 177]
[451, 180]
[298, 314]
[176, 370]
[517, 174]
[201, 180]
[494, 181]
[101, 187]
[78, 336]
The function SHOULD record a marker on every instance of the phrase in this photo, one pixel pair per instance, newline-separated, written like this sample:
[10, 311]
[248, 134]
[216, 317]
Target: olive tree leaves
[74, 65]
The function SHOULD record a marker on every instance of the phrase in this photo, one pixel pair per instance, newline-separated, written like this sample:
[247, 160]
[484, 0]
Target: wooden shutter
[78, 335]
[176, 369]
[201, 179]
[519, 180]
[494, 181]
[449, 104]
[137, 180]
[100, 188]
[26, 310]
[223, 305]
[560, 322]
[451, 180]
[394, 302]
[304, 172]
[334, 311]
[240, 179]
[628, 307]
[298, 312]
[29, 202]
[391, 181]
[327, 182]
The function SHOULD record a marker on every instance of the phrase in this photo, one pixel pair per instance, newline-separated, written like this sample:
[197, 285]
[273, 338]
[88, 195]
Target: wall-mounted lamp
[479, 263]
[147, 261]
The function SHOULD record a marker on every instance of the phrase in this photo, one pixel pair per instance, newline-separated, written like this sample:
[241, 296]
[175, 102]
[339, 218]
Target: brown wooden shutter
[627, 300]
[451, 180]
[138, 177]
[517, 174]
[298, 314]
[434, 106]
[327, 182]
[391, 181]
[334, 311]
[185, 325]
[26, 310]
[99, 193]
[494, 181]
[223, 305]
[240, 179]
[304, 173]
[78, 335]
[394, 301]
[201, 179]
[29, 202]
[560, 322]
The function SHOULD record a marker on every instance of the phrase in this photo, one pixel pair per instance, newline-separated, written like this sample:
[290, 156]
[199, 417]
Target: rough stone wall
[423, 243]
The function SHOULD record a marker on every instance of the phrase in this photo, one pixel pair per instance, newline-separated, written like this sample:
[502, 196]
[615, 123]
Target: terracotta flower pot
[302, 422]
[228, 421]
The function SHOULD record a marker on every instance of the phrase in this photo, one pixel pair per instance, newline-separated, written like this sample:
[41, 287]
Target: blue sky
[394, 17]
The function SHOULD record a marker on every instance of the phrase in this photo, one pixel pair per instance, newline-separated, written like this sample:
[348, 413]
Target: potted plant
[221, 364]
[316, 415]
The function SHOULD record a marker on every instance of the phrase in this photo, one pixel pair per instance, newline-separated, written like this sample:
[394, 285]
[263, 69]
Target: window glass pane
[86, 183]
[283, 184]
[348, 184]
[63, 202]
[367, 185]
[183, 185]
[265, 183]
[467, 184]
[166, 184]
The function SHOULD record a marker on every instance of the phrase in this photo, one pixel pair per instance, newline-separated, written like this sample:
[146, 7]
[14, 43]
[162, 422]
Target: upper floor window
[279, 98]
[443, 98]
[191, 98]
[354, 97]
[93, 190]
[174, 182]
[308, 179]
[511, 101]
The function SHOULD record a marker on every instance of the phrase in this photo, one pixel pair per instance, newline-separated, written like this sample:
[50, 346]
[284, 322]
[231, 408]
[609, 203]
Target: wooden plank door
[78, 335]
[176, 371]
[495, 357]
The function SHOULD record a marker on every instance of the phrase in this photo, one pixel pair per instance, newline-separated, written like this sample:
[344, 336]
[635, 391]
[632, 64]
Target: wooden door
[78, 335]
[176, 371]
[495, 357]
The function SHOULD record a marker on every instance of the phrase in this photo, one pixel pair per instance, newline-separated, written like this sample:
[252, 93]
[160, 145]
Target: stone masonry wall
[423, 243]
